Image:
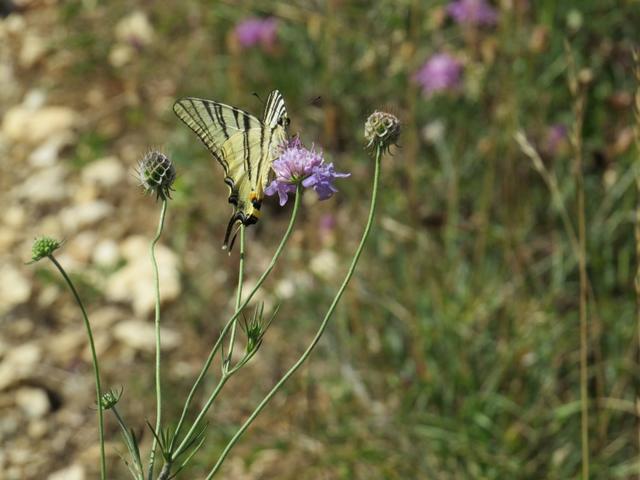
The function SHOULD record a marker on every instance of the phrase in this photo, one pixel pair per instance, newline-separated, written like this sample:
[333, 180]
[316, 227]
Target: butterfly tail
[230, 238]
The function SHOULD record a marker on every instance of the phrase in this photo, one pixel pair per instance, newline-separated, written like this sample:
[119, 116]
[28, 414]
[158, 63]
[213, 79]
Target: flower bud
[110, 399]
[381, 130]
[156, 174]
[43, 247]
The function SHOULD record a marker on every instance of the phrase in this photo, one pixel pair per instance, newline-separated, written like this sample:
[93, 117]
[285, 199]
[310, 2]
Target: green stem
[96, 369]
[156, 277]
[321, 329]
[234, 325]
[218, 343]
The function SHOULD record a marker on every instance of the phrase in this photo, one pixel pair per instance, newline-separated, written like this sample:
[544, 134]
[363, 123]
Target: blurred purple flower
[257, 31]
[472, 12]
[298, 165]
[556, 136]
[440, 72]
[327, 223]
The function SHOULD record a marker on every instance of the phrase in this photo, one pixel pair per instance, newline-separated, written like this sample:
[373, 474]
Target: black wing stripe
[199, 126]
[247, 146]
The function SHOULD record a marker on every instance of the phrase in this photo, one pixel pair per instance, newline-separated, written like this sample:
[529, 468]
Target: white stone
[15, 287]
[34, 402]
[325, 264]
[47, 153]
[19, 364]
[135, 29]
[120, 55]
[14, 216]
[134, 282]
[81, 246]
[23, 124]
[106, 253]
[65, 346]
[77, 217]
[105, 172]
[44, 186]
[32, 51]
[74, 472]
[140, 335]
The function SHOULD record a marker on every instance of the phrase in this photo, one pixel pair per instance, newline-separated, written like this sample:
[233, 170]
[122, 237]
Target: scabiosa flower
[472, 12]
[43, 247]
[257, 31]
[381, 129]
[441, 72]
[156, 174]
[556, 136]
[298, 165]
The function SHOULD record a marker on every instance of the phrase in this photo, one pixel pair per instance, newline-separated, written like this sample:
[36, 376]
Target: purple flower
[472, 12]
[556, 136]
[257, 31]
[298, 165]
[440, 72]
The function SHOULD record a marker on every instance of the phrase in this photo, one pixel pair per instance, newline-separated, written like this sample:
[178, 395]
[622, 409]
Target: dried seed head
[156, 174]
[43, 247]
[381, 129]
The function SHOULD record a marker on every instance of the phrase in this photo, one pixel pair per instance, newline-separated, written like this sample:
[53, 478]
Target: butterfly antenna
[255, 94]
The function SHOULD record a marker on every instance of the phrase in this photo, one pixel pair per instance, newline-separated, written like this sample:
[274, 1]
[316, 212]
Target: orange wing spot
[253, 196]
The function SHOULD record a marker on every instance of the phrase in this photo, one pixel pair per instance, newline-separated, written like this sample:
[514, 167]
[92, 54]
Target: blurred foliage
[455, 353]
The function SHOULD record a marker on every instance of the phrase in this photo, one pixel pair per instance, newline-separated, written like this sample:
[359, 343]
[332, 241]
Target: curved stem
[321, 329]
[216, 346]
[232, 337]
[96, 369]
[156, 277]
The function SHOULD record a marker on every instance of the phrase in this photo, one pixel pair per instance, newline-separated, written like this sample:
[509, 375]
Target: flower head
[472, 12]
[110, 399]
[257, 31]
[156, 174]
[43, 247]
[298, 165]
[556, 136]
[441, 72]
[381, 129]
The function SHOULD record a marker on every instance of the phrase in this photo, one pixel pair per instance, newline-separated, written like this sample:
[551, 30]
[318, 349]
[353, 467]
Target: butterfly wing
[232, 136]
[244, 146]
[275, 123]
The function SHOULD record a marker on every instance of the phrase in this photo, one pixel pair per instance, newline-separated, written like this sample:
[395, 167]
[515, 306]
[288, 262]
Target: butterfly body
[243, 145]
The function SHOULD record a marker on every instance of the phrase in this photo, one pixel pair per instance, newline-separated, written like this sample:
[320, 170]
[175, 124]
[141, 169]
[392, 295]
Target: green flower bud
[110, 399]
[43, 247]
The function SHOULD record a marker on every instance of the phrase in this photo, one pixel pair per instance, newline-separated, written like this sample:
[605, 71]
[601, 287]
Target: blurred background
[455, 351]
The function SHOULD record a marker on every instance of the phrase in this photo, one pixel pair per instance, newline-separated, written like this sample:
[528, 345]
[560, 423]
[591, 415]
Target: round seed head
[156, 174]
[381, 129]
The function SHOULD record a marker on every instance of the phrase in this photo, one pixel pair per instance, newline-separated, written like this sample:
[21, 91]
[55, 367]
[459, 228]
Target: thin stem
[96, 369]
[578, 93]
[216, 346]
[156, 277]
[321, 329]
[203, 412]
[234, 325]
[636, 59]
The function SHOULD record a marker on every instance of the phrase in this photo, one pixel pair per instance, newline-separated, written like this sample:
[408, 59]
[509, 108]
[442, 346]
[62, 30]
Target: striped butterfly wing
[244, 146]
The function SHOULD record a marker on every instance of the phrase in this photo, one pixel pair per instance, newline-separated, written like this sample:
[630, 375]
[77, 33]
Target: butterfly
[243, 145]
